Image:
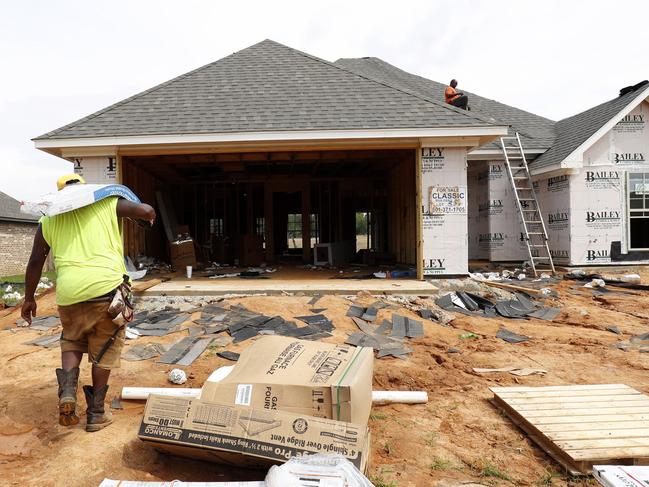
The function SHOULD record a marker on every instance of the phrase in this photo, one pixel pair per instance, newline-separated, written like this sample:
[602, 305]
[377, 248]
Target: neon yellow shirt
[87, 248]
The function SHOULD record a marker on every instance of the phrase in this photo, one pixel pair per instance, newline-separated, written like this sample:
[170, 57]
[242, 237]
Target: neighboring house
[591, 175]
[270, 149]
[16, 236]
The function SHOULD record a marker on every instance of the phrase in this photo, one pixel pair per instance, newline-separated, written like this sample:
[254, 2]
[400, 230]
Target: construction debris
[177, 376]
[41, 323]
[143, 352]
[621, 475]
[510, 336]
[47, 341]
[232, 356]
[177, 483]
[520, 307]
[185, 351]
[519, 371]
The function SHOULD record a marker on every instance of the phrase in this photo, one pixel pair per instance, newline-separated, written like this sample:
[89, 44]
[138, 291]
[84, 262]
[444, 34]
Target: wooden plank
[604, 443]
[500, 390]
[585, 412]
[622, 424]
[568, 406]
[511, 287]
[537, 437]
[139, 286]
[599, 434]
[589, 418]
[610, 456]
[596, 399]
[559, 394]
[578, 430]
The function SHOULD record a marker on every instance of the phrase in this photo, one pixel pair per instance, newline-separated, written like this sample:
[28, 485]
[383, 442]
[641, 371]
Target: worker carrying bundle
[456, 98]
[92, 286]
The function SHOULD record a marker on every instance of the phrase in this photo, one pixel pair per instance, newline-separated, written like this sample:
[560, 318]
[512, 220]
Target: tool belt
[120, 310]
[121, 306]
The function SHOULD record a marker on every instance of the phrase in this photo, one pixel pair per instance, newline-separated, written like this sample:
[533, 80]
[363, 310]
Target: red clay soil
[455, 439]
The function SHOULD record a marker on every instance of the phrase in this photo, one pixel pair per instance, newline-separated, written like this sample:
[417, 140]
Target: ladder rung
[539, 246]
[534, 221]
[532, 210]
[518, 167]
[526, 188]
[526, 199]
[535, 233]
[520, 177]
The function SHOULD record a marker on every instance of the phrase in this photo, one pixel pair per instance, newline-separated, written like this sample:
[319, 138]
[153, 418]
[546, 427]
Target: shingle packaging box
[284, 398]
[244, 436]
[302, 377]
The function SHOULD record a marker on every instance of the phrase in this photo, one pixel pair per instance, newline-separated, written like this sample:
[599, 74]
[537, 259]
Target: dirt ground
[455, 439]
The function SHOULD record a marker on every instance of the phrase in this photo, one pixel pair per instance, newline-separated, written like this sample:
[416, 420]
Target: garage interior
[279, 208]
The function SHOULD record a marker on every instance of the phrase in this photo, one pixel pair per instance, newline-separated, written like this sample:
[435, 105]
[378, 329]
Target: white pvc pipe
[378, 397]
[142, 393]
[401, 397]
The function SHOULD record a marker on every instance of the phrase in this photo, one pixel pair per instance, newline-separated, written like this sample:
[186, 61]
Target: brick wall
[15, 246]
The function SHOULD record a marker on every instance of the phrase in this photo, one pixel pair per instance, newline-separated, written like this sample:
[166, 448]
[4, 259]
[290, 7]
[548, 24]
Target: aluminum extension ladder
[534, 231]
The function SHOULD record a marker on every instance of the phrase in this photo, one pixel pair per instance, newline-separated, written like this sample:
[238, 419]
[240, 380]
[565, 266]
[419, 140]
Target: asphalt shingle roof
[574, 131]
[536, 132]
[10, 210]
[268, 87]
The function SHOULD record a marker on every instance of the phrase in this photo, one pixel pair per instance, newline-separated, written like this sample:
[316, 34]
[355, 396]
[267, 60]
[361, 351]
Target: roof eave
[68, 147]
[576, 157]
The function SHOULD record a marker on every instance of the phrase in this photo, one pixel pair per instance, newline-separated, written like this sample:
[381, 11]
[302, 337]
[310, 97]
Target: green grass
[431, 440]
[380, 482]
[440, 464]
[20, 278]
[377, 417]
[547, 477]
[487, 469]
[465, 336]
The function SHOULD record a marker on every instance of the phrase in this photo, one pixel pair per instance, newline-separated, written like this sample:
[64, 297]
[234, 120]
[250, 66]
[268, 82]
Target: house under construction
[273, 155]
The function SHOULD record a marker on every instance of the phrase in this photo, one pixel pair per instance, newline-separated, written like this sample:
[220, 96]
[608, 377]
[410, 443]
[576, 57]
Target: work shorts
[87, 327]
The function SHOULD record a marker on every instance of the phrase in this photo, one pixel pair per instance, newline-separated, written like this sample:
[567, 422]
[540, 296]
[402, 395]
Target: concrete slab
[206, 287]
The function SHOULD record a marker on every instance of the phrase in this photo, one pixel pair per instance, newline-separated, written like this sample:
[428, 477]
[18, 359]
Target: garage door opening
[330, 208]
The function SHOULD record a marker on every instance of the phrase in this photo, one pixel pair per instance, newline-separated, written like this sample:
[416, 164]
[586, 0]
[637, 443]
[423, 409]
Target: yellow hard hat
[68, 179]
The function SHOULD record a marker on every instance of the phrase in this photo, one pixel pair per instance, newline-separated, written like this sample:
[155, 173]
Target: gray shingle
[267, 87]
[10, 210]
[536, 131]
[574, 131]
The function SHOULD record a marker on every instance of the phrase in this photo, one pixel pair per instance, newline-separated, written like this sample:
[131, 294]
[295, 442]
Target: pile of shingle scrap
[388, 338]
[520, 307]
[243, 324]
[158, 323]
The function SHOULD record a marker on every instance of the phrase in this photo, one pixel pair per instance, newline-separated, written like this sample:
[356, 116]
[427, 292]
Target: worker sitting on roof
[90, 279]
[454, 97]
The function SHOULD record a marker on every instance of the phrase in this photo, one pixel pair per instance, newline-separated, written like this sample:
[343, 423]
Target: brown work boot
[68, 384]
[97, 417]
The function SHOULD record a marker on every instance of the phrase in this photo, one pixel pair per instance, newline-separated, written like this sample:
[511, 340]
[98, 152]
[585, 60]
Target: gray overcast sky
[63, 60]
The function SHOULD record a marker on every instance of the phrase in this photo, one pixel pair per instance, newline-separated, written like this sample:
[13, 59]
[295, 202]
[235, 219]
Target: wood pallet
[582, 425]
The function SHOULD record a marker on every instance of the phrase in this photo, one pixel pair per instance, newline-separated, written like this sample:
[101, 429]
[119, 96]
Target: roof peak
[267, 86]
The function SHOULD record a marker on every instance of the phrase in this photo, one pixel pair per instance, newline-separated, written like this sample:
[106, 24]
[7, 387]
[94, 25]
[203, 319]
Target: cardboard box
[182, 254]
[301, 377]
[246, 437]
[621, 476]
